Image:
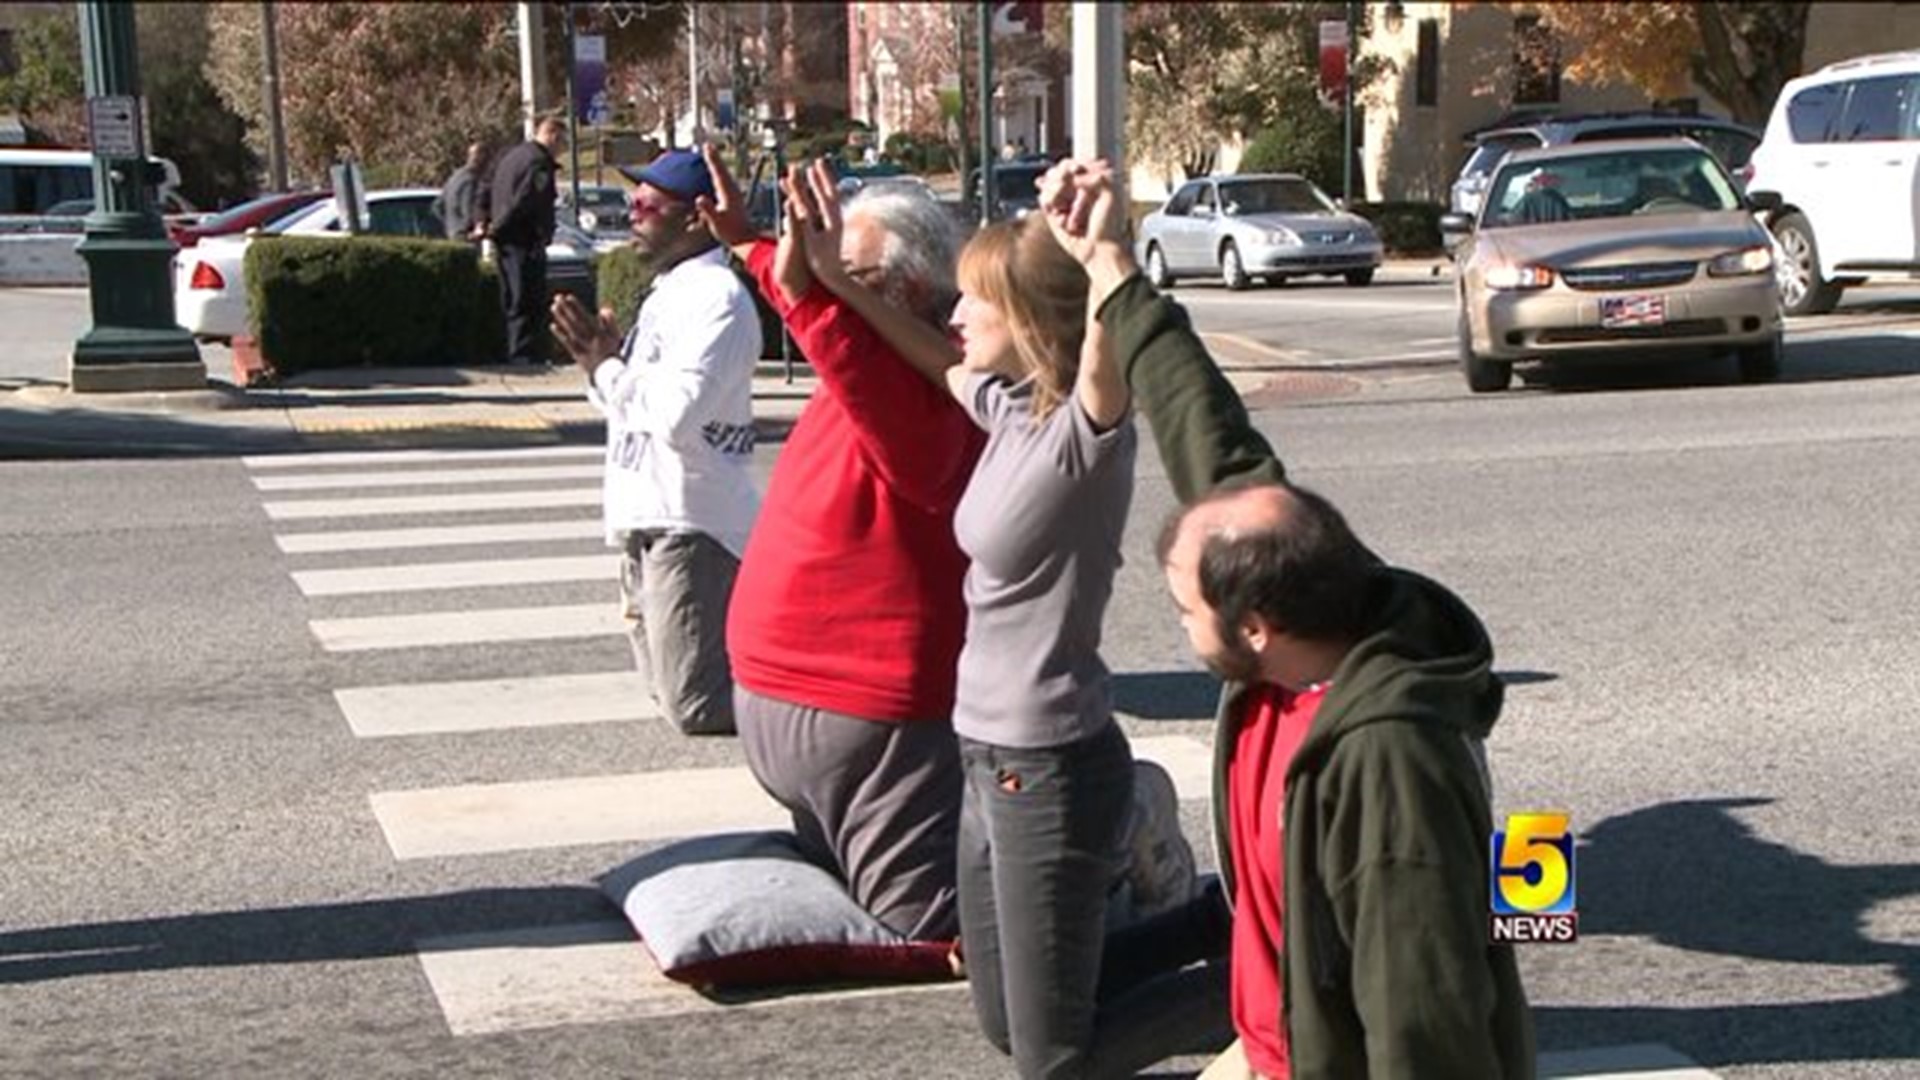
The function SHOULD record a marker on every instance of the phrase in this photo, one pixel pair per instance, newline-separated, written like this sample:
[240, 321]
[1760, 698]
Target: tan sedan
[1625, 249]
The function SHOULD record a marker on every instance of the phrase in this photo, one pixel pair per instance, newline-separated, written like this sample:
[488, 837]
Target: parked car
[1016, 186]
[1627, 249]
[603, 213]
[1731, 142]
[253, 213]
[1842, 153]
[1263, 225]
[210, 296]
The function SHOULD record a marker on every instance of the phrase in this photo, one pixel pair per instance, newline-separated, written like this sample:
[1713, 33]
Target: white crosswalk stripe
[456, 575]
[478, 819]
[441, 536]
[443, 708]
[415, 457]
[308, 509]
[434, 478]
[557, 976]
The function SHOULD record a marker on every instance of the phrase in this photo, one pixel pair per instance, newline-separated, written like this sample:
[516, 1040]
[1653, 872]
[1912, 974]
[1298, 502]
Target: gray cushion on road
[747, 909]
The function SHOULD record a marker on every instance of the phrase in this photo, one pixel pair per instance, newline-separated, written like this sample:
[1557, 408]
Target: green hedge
[318, 302]
[1406, 228]
[622, 278]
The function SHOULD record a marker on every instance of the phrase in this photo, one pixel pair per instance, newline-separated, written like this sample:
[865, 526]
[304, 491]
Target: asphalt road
[1701, 595]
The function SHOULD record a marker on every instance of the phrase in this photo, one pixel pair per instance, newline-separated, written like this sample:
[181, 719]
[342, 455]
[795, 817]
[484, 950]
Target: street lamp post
[134, 343]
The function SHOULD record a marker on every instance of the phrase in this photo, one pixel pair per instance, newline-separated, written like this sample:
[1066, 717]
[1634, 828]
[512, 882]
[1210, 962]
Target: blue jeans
[1041, 834]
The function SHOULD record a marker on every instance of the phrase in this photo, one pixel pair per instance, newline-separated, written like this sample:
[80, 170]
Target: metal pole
[573, 119]
[959, 13]
[276, 123]
[987, 189]
[1346, 126]
[134, 342]
[531, 38]
[693, 75]
[1100, 83]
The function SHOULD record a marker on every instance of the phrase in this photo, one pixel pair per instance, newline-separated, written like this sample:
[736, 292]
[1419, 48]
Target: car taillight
[205, 277]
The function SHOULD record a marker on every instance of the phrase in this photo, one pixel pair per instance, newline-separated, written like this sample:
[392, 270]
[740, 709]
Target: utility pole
[1346, 94]
[134, 343]
[1100, 83]
[988, 190]
[276, 124]
[532, 43]
[693, 75]
[573, 113]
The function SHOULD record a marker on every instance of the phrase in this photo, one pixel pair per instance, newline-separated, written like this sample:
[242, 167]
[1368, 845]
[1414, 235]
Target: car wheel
[1157, 274]
[1761, 363]
[1483, 376]
[1802, 290]
[1360, 278]
[1232, 273]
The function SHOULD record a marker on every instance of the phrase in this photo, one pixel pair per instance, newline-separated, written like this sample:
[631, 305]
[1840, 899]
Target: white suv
[1842, 150]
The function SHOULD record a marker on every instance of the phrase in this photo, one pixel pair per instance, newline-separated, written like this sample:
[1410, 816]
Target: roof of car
[1562, 123]
[1231, 177]
[1610, 146]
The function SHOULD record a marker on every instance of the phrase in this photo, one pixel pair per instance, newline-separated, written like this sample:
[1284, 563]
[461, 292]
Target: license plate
[1617, 311]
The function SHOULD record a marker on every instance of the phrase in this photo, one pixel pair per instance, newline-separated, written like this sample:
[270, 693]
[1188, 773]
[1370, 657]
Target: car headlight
[1753, 260]
[1280, 235]
[1519, 277]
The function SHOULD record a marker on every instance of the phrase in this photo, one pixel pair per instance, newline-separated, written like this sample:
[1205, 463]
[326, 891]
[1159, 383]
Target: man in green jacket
[1351, 805]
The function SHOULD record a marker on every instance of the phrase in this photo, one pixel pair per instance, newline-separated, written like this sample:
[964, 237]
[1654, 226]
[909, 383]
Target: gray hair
[922, 242]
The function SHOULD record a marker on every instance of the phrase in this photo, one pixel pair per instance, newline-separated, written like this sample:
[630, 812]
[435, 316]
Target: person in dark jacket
[459, 203]
[520, 202]
[1351, 804]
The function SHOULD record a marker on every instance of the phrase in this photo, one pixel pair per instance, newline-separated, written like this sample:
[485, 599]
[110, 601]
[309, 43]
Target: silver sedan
[1270, 226]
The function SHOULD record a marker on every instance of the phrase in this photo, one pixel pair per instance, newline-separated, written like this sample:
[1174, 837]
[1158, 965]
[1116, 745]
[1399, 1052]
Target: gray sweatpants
[674, 589]
[875, 802]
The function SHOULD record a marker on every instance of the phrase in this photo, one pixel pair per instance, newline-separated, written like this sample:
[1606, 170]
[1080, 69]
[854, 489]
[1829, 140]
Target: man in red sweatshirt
[847, 615]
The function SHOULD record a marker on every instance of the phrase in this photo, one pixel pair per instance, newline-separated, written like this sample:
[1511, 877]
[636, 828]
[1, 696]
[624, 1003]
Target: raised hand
[725, 215]
[791, 262]
[826, 243]
[589, 340]
[1083, 207]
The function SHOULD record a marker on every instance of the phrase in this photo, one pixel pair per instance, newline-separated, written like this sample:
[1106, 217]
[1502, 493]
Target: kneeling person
[677, 392]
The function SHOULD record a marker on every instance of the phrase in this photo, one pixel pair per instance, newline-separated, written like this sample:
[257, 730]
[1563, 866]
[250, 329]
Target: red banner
[1333, 61]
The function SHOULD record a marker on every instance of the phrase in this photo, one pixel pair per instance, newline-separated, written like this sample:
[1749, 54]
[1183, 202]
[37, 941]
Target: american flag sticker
[1633, 311]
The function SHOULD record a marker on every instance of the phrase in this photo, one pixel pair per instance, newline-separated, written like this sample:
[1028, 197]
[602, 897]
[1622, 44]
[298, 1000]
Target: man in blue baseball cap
[677, 391]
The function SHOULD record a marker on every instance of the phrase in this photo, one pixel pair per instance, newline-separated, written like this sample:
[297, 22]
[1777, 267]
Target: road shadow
[1876, 356]
[1166, 695]
[1693, 876]
[1195, 695]
[358, 930]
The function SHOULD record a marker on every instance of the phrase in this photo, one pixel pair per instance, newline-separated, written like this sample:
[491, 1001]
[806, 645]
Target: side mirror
[1455, 225]
[1765, 201]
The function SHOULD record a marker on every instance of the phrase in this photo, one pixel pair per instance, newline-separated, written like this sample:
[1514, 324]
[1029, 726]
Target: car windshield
[286, 221]
[1274, 197]
[236, 213]
[1488, 152]
[1607, 185]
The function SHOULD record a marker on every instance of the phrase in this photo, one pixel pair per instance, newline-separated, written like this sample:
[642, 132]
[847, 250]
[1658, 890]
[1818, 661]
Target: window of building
[1536, 62]
[1426, 64]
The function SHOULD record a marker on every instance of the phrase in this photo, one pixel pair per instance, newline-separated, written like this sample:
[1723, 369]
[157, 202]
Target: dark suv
[1732, 143]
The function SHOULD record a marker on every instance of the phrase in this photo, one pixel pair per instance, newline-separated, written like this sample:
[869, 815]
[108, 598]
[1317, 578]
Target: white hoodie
[679, 408]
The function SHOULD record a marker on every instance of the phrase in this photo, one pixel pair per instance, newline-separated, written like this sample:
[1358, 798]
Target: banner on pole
[1333, 61]
[590, 100]
[723, 109]
[1024, 17]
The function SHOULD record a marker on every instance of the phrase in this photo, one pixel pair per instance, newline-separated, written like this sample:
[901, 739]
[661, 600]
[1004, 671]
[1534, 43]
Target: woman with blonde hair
[1048, 774]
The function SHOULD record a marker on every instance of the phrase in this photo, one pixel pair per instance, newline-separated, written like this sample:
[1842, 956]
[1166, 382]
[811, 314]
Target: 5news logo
[1532, 883]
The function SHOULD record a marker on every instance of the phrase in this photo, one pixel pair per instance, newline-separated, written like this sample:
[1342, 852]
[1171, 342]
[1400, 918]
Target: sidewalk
[359, 408]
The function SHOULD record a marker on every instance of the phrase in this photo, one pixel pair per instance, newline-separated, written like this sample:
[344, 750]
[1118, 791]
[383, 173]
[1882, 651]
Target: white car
[210, 295]
[1842, 151]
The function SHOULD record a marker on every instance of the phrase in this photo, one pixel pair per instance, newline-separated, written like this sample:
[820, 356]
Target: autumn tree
[401, 88]
[1740, 53]
[1201, 73]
